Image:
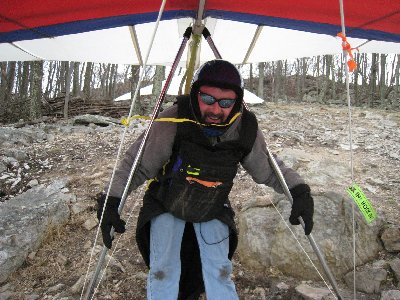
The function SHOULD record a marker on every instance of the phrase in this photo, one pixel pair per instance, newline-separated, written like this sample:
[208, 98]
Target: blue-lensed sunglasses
[210, 100]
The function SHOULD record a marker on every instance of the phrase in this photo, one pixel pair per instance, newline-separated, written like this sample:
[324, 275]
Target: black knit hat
[218, 73]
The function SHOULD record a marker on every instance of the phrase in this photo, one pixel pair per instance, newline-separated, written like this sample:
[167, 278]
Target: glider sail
[99, 30]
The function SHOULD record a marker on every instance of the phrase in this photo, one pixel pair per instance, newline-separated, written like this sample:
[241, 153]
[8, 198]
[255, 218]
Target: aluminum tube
[314, 245]
[139, 154]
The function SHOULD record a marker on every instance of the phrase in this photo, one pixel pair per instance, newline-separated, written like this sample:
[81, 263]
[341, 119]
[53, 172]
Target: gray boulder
[26, 219]
[24, 136]
[390, 295]
[368, 280]
[94, 119]
[395, 267]
[265, 241]
[391, 238]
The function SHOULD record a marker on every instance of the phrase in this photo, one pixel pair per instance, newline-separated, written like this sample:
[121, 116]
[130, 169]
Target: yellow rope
[126, 121]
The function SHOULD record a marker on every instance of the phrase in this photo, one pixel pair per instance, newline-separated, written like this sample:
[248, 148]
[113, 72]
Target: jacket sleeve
[157, 151]
[258, 166]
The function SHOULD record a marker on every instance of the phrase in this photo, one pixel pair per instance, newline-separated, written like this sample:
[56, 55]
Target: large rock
[24, 136]
[390, 295]
[26, 219]
[265, 241]
[395, 267]
[94, 119]
[391, 238]
[368, 280]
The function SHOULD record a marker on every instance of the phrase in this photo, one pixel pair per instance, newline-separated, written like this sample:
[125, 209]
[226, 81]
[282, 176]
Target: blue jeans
[165, 266]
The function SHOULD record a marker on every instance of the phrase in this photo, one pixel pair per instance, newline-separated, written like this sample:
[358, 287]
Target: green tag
[362, 202]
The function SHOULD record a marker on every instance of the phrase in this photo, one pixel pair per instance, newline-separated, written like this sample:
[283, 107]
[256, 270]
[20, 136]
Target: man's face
[214, 113]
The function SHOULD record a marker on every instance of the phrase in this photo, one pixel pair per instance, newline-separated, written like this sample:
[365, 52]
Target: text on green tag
[362, 202]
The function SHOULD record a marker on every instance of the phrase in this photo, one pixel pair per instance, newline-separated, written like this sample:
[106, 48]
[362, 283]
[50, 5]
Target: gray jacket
[158, 151]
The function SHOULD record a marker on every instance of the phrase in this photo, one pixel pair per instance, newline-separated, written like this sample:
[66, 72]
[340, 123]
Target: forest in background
[28, 89]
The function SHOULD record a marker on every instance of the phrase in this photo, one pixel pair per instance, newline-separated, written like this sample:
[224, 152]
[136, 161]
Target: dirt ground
[87, 159]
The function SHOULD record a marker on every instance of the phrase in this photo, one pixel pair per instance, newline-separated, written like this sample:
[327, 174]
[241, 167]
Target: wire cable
[350, 145]
[123, 137]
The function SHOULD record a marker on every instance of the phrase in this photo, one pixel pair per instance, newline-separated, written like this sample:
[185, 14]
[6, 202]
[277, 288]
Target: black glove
[303, 206]
[111, 218]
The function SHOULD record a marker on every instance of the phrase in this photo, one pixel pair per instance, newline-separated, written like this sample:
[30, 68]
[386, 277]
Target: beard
[209, 118]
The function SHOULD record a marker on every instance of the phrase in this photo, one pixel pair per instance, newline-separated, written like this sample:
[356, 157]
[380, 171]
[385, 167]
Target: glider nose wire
[285, 188]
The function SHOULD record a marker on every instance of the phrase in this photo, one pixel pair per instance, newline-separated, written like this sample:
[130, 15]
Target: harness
[195, 183]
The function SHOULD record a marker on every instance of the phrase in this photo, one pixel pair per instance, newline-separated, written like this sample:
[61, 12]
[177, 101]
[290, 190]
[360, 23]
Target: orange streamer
[346, 47]
[209, 184]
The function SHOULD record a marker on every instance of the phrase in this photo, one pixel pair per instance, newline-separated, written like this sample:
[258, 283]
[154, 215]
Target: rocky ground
[86, 156]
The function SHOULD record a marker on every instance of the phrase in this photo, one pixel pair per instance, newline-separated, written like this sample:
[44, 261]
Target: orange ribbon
[209, 184]
[346, 47]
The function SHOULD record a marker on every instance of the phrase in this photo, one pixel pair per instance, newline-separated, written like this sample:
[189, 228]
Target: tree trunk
[137, 106]
[304, 69]
[382, 81]
[251, 79]
[104, 74]
[355, 84]
[81, 72]
[3, 90]
[11, 77]
[157, 86]
[284, 83]
[397, 79]
[9, 102]
[87, 81]
[112, 80]
[70, 70]
[261, 76]
[317, 82]
[23, 95]
[50, 81]
[75, 85]
[333, 81]
[298, 80]
[373, 78]
[35, 109]
[340, 70]
[18, 78]
[278, 80]
[325, 84]
[63, 74]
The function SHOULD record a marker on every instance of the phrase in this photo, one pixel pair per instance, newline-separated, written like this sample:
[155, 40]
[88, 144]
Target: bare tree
[3, 90]
[23, 90]
[8, 101]
[373, 79]
[382, 78]
[261, 77]
[277, 80]
[75, 82]
[87, 81]
[35, 109]
[251, 79]
[397, 78]
[157, 86]
[137, 106]
[70, 70]
[327, 63]
[52, 69]
[356, 75]
[104, 73]
[111, 84]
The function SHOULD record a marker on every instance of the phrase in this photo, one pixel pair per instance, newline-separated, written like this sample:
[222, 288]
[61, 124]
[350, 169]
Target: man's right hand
[111, 218]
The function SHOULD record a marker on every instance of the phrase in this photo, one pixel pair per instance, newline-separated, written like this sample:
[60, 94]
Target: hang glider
[119, 31]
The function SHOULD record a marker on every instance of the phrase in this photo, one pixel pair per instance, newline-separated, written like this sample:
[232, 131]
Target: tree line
[26, 87]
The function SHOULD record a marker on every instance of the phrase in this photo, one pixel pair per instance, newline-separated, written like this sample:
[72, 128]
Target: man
[186, 231]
